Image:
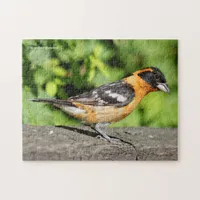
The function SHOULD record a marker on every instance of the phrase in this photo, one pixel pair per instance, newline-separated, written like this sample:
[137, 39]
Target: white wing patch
[108, 91]
[119, 97]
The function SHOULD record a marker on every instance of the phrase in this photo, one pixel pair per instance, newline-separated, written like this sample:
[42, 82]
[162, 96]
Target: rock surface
[79, 143]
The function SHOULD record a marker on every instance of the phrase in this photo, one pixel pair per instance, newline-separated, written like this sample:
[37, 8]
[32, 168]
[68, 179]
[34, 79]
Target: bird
[111, 102]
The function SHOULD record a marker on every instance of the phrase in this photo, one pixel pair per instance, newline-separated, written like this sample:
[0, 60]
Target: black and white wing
[117, 94]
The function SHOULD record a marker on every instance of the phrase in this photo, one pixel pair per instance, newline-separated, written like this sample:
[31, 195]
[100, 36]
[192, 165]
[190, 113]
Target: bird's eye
[156, 76]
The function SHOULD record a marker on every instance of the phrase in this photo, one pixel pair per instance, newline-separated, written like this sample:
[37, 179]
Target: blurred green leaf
[51, 89]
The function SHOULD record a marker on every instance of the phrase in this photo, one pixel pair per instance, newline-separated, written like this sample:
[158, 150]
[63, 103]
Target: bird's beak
[163, 87]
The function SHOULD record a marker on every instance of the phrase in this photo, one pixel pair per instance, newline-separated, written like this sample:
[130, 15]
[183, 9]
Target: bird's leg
[100, 128]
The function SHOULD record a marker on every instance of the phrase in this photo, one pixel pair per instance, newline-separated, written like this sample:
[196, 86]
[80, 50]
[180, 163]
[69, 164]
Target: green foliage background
[63, 68]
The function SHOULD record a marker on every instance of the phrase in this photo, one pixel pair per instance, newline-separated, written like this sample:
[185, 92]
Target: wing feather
[118, 94]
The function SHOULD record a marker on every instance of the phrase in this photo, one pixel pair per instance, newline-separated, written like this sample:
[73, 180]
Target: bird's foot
[115, 141]
[108, 139]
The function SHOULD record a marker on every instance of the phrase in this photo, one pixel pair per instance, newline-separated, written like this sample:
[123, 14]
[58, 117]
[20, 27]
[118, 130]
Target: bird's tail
[64, 105]
[52, 101]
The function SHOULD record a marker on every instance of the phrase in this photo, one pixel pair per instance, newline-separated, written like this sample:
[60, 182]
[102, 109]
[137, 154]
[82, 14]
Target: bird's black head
[154, 77]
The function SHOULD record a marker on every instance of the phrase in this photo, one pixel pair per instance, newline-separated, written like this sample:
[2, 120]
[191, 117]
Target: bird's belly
[107, 114]
[110, 113]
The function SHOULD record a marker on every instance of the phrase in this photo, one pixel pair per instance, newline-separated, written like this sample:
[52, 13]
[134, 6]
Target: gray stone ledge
[79, 143]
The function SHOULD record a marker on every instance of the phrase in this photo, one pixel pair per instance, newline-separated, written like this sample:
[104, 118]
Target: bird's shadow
[78, 130]
[90, 133]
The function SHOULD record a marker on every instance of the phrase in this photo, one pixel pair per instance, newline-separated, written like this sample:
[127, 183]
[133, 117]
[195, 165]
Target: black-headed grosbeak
[111, 102]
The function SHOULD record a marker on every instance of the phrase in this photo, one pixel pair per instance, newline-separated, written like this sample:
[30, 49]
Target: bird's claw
[111, 140]
[115, 141]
